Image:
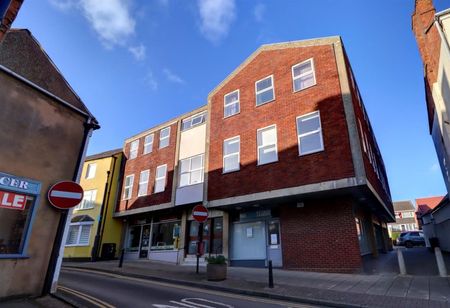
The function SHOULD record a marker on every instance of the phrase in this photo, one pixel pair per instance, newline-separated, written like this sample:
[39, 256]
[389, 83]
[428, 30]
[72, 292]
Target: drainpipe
[94, 252]
[54, 267]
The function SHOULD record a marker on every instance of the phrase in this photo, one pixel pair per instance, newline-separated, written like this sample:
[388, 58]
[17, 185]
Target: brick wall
[150, 161]
[320, 236]
[333, 163]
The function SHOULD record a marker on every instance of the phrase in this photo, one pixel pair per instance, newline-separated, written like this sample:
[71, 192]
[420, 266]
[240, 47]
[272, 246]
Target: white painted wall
[193, 142]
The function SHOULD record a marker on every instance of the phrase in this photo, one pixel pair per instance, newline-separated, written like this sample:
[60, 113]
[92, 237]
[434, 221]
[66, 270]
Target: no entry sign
[65, 195]
[200, 213]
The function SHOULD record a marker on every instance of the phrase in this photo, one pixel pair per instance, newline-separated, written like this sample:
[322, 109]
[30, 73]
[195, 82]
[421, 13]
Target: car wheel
[409, 245]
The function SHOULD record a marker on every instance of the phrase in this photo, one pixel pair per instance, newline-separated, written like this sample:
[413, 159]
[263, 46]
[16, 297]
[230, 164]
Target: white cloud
[259, 11]
[171, 76]
[138, 52]
[435, 167]
[216, 18]
[151, 81]
[163, 2]
[110, 19]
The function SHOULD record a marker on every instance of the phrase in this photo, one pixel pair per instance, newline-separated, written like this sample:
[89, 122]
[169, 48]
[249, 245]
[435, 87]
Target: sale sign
[13, 201]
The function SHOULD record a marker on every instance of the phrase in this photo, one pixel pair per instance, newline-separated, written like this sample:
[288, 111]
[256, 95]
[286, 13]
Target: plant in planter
[216, 269]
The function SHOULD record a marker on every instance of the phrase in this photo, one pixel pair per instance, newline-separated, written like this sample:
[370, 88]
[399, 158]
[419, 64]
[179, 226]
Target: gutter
[55, 262]
[439, 28]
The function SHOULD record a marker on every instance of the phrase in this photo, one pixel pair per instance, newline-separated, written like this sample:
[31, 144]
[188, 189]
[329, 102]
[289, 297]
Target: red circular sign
[200, 213]
[65, 195]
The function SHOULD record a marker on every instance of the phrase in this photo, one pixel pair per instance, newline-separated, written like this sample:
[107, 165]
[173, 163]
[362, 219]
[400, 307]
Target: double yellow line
[95, 301]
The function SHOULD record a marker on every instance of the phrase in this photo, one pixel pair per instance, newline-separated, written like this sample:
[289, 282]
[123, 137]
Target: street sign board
[65, 195]
[200, 213]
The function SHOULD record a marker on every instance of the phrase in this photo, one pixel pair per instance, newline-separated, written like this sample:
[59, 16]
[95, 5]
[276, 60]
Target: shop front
[255, 239]
[154, 238]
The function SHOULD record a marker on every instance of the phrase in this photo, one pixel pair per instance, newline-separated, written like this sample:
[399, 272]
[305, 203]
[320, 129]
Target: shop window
[164, 235]
[90, 171]
[309, 130]
[164, 137]
[134, 238]
[212, 236]
[231, 104]
[148, 144]
[14, 222]
[267, 145]
[191, 170]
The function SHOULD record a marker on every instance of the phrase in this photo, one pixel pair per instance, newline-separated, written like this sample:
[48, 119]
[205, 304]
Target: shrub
[216, 260]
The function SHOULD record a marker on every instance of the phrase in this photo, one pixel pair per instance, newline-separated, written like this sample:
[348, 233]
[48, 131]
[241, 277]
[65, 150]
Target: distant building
[93, 233]
[424, 205]
[405, 217]
[44, 131]
[283, 155]
[436, 223]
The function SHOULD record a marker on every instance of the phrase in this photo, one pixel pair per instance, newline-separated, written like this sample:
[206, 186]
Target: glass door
[249, 241]
[145, 242]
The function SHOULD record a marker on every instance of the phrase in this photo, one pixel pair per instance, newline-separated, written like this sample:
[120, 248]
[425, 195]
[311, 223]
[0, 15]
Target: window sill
[77, 245]
[230, 116]
[190, 185]
[265, 103]
[89, 208]
[268, 163]
[312, 152]
[231, 171]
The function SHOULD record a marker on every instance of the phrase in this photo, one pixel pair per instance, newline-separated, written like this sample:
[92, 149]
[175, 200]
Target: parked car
[410, 239]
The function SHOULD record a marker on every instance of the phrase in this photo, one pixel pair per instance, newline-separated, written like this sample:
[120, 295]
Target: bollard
[270, 274]
[401, 262]
[440, 262]
[121, 258]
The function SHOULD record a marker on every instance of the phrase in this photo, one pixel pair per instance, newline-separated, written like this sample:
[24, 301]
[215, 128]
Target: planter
[216, 272]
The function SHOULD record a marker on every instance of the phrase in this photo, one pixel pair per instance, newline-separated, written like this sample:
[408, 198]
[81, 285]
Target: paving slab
[439, 289]
[400, 286]
[381, 286]
[419, 288]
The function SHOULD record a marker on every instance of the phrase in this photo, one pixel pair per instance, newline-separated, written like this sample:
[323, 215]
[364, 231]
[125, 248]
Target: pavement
[345, 290]
[39, 302]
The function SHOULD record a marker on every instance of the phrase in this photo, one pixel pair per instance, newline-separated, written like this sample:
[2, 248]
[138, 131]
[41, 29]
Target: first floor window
[309, 130]
[134, 149]
[303, 75]
[231, 153]
[267, 145]
[160, 178]
[88, 200]
[231, 104]
[90, 171]
[128, 189]
[191, 170]
[79, 234]
[143, 182]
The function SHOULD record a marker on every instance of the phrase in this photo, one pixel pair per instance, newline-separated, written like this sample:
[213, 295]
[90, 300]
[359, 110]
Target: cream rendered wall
[193, 141]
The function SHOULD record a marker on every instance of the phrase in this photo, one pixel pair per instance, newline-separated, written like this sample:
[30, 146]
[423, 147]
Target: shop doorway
[212, 236]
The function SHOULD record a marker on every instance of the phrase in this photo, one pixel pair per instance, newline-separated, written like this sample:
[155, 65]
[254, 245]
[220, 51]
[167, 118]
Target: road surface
[93, 289]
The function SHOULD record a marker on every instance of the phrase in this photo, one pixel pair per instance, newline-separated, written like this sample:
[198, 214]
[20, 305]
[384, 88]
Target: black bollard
[270, 274]
[121, 258]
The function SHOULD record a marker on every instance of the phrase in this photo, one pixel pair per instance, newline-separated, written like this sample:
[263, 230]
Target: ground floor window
[79, 234]
[15, 216]
[134, 238]
[165, 235]
[212, 236]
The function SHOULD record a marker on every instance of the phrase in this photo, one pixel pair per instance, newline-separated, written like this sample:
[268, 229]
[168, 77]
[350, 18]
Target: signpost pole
[199, 245]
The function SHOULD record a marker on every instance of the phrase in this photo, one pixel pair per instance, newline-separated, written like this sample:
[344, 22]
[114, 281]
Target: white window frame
[160, 178]
[190, 119]
[163, 138]
[264, 90]
[142, 183]
[130, 187]
[148, 146]
[232, 154]
[263, 146]
[82, 204]
[80, 224]
[91, 169]
[190, 170]
[294, 78]
[134, 152]
[299, 136]
[238, 102]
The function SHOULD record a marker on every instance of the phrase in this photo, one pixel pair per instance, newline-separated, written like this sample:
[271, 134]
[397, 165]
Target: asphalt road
[90, 289]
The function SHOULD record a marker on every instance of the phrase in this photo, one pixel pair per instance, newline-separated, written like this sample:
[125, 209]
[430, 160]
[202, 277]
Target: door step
[192, 261]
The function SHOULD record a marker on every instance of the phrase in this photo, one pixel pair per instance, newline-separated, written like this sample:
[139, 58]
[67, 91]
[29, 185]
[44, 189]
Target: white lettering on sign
[11, 200]
[11, 182]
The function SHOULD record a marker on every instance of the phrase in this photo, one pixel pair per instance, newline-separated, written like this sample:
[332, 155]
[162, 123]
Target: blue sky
[138, 63]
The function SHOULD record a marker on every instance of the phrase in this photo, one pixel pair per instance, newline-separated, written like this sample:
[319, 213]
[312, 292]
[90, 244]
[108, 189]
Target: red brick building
[291, 169]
